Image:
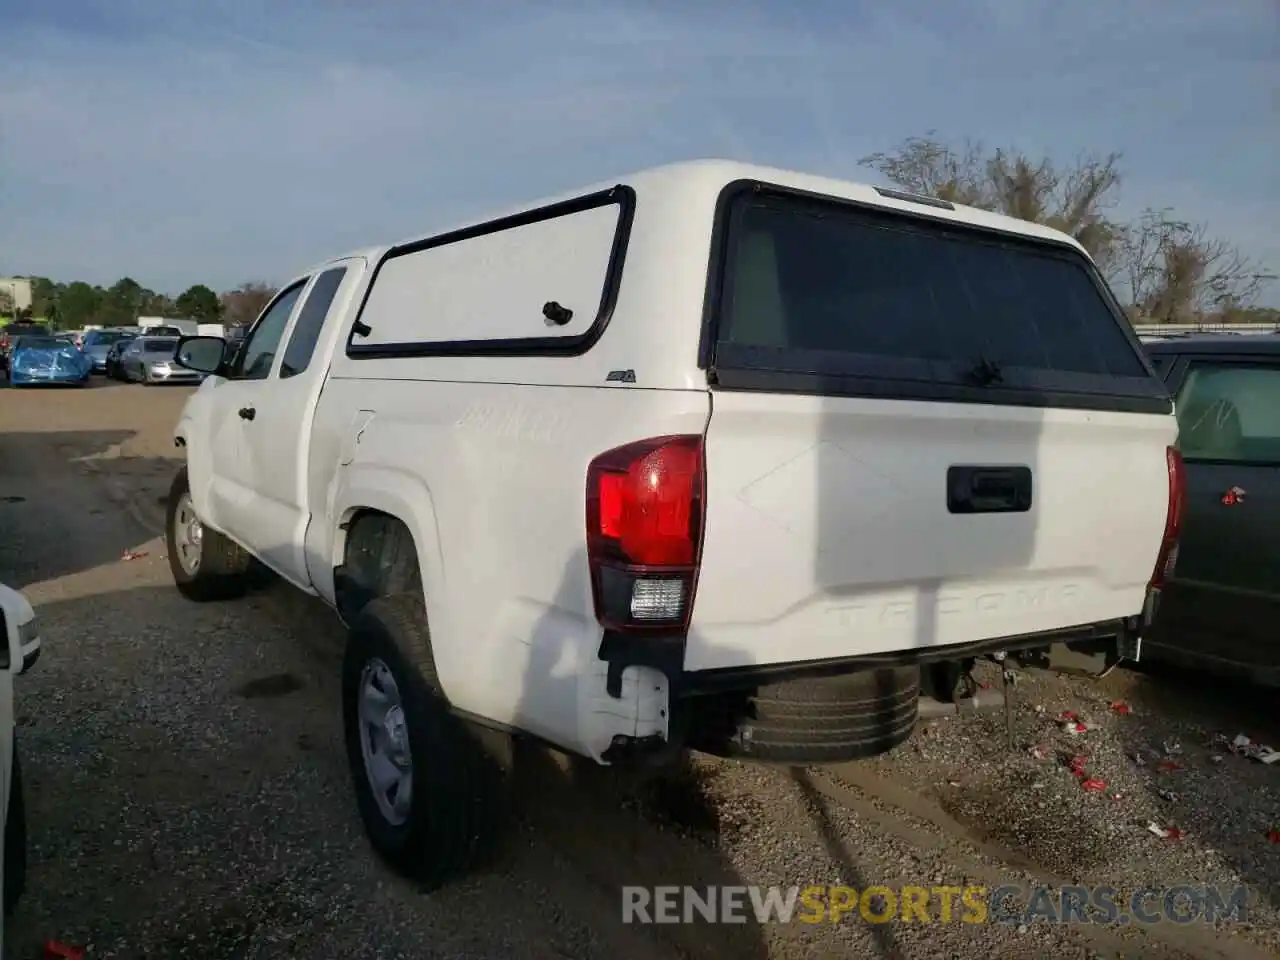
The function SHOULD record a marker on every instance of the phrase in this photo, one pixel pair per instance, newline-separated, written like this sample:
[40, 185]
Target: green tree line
[77, 304]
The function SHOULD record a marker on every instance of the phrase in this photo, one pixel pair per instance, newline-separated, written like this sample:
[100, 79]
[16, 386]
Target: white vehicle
[715, 457]
[21, 649]
[166, 326]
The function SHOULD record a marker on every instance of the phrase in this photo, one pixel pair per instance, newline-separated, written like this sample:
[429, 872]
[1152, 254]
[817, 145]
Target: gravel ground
[189, 797]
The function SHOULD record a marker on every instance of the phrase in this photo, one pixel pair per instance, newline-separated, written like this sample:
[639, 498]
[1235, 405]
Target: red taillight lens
[1168, 555]
[644, 530]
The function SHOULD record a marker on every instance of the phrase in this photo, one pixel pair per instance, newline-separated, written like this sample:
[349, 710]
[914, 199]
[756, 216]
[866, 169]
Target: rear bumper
[1114, 639]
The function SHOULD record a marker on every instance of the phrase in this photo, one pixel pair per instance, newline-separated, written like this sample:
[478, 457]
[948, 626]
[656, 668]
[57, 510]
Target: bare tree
[243, 304]
[1073, 198]
[931, 168]
[1176, 271]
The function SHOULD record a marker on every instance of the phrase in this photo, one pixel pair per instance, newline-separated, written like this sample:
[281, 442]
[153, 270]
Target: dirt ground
[188, 794]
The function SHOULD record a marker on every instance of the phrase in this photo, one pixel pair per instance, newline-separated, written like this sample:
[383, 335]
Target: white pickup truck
[713, 456]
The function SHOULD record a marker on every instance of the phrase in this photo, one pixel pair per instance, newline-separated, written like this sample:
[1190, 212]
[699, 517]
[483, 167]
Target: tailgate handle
[988, 489]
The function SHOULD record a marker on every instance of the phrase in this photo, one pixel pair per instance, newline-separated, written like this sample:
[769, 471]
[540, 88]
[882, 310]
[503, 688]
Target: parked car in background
[97, 344]
[47, 360]
[1222, 597]
[149, 360]
[11, 331]
[111, 363]
[163, 331]
[19, 631]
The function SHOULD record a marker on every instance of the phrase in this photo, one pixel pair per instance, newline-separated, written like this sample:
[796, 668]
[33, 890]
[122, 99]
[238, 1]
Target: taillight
[1168, 556]
[644, 531]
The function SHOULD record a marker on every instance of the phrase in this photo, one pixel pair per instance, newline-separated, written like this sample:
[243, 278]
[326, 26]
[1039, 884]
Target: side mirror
[201, 354]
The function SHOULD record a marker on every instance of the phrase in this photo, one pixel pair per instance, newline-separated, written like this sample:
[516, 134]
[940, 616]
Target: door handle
[247, 413]
[988, 489]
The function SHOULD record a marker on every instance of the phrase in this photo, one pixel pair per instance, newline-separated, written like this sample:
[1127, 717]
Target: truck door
[1225, 587]
[234, 403]
[277, 442]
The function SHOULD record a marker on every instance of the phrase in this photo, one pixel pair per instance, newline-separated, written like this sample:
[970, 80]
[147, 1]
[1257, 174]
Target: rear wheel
[205, 564]
[431, 796]
[813, 721]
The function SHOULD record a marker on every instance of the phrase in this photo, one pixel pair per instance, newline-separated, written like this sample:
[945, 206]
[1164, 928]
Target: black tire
[15, 840]
[223, 568]
[458, 808]
[814, 721]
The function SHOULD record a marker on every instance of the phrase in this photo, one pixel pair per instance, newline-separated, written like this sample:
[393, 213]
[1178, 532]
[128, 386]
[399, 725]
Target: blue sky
[182, 142]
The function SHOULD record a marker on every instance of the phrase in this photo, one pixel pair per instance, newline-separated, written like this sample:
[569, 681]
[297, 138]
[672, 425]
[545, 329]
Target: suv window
[306, 331]
[99, 337]
[830, 290]
[258, 352]
[1230, 412]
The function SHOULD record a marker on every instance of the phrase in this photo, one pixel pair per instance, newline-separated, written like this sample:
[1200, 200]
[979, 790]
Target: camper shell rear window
[819, 295]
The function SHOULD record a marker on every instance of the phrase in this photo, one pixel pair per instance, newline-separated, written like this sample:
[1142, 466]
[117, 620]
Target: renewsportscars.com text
[934, 904]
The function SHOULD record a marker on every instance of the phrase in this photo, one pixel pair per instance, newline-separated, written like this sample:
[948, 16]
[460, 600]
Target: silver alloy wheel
[188, 535]
[384, 742]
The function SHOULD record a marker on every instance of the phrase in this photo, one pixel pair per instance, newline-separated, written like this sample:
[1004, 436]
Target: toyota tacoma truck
[711, 457]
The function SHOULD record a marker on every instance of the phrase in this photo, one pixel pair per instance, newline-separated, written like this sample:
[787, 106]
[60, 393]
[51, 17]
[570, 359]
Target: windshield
[159, 346]
[43, 343]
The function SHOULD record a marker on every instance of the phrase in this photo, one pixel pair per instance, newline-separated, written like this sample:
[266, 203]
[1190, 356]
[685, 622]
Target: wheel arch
[386, 511]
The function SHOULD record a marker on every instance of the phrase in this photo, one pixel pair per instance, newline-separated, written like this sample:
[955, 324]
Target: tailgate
[829, 532]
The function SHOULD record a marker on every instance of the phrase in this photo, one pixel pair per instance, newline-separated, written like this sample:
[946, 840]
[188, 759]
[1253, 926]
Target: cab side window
[258, 354]
[1230, 413]
[306, 331]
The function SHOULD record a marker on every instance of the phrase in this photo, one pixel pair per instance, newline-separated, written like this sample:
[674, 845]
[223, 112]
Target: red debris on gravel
[1071, 722]
[132, 555]
[1167, 765]
[1273, 836]
[1120, 707]
[1093, 785]
[1165, 833]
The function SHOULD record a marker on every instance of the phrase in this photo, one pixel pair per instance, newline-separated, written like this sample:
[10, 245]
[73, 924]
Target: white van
[712, 456]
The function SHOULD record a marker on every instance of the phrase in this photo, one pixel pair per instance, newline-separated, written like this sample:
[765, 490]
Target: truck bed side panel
[492, 479]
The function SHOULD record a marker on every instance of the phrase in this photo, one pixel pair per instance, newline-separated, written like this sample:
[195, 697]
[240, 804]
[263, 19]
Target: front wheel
[205, 564]
[430, 793]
